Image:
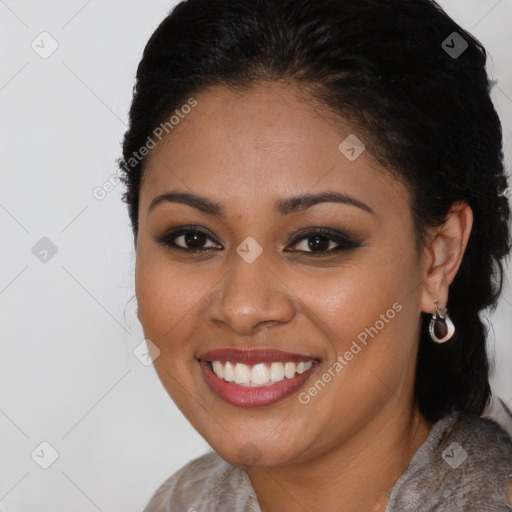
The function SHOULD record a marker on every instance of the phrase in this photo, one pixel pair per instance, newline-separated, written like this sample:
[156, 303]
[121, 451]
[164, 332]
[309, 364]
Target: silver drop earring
[441, 327]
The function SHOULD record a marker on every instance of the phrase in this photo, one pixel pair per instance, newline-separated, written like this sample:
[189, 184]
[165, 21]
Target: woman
[317, 195]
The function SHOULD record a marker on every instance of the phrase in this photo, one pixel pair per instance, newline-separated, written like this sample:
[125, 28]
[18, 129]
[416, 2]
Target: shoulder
[465, 464]
[201, 484]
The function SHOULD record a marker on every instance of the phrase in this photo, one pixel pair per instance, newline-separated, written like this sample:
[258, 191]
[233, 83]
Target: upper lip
[253, 356]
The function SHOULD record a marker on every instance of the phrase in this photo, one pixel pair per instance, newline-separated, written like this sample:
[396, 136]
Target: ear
[444, 253]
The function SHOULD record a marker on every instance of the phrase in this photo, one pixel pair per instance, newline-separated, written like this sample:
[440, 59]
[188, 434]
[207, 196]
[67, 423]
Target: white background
[68, 375]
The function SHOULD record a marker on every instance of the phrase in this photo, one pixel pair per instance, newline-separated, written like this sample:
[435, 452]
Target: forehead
[268, 141]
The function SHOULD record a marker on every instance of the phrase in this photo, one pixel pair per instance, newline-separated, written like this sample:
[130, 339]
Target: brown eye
[317, 242]
[320, 242]
[191, 240]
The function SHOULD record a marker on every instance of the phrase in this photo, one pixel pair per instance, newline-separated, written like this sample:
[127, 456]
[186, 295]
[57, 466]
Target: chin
[256, 451]
[249, 455]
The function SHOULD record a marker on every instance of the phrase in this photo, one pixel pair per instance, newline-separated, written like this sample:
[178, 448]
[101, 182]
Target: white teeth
[242, 374]
[229, 372]
[289, 370]
[304, 367]
[218, 369]
[276, 372]
[260, 374]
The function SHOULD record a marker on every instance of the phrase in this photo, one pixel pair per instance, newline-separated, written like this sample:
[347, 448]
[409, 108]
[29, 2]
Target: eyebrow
[282, 207]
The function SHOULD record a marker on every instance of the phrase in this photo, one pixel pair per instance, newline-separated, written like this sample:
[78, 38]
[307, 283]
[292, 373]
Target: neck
[356, 475]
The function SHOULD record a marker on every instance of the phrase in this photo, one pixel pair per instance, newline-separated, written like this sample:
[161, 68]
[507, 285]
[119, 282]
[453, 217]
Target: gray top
[465, 464]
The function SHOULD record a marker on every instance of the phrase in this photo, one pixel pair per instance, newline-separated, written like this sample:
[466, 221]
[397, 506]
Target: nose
[251, 296]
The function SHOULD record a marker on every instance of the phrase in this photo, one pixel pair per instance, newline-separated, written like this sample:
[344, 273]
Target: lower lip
[243, 396]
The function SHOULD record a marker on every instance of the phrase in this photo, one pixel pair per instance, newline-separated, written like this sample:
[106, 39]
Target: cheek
[350, 299]
[168, 300]
[363, 311]
[362, 314]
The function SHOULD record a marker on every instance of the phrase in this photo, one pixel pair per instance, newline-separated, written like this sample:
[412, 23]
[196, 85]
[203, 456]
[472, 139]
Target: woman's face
[347, 299]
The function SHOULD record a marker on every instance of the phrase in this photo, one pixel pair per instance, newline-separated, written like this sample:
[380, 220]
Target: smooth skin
[346, 448]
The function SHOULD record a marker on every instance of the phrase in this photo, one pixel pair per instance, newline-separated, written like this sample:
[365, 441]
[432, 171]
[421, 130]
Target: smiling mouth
[254, 378]
[261, 374]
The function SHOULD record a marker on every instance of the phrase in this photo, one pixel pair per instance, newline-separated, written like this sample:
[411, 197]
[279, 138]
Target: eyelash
[344, 242]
